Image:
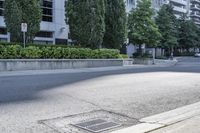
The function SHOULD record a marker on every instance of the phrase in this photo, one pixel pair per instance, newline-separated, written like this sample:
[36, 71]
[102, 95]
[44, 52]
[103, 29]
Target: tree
[142, 28]
[86, 21]
[188, 34]
[25, 11]
[116, 24]
[168, 27]
[13, 17]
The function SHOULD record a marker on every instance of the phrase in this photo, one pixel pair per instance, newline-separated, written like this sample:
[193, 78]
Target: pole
[24, 34]
[154, 53]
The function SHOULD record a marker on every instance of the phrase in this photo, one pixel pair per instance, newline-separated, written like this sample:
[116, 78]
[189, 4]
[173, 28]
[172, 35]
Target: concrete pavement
[28, 98]
[191, 125]
[181, 120]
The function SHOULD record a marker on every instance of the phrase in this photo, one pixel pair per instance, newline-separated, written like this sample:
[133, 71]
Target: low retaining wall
[166, 62]
[149, 61]
[49, 64]
[143, 61]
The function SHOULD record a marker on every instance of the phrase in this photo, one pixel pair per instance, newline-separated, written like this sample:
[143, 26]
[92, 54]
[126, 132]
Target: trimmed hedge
[51, 52]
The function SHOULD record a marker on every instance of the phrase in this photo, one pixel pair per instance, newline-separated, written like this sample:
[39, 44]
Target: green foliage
[123, 56]
[188, 34]
[116, 24]
[31, 52]
[168, 27]
[142, 28]
[86, 21]
[10, 51]
[22, 11]
[13, 19]
[45, 52]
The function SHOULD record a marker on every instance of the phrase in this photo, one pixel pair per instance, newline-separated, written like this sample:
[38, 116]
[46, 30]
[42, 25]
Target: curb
[158, 121]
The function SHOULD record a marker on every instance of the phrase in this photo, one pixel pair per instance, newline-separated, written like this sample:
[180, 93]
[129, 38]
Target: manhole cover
[99, 121]
[97, 125]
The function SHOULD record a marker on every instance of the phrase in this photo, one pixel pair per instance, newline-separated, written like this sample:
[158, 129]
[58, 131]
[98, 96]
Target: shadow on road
[25, 88]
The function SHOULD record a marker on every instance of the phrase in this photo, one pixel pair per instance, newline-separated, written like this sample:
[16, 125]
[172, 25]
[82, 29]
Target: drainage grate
[96, 126]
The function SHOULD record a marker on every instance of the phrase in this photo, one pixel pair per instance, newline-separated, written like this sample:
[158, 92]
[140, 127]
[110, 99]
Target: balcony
[180, 9]
[180, 2]
[195, 14]
[195, 7]
[195, 1]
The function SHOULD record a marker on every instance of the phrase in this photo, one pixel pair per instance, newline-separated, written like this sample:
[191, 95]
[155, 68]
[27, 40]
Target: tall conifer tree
[22, 11]
[116, 24]
[86, 20]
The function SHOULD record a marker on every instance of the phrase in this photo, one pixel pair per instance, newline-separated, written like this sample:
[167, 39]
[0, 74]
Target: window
[3, 31]
[1, 7]
[45, 34]
[47, 10]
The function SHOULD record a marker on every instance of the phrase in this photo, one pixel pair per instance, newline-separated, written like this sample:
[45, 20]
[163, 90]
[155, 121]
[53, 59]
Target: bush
[31, 52]
[11, 51]
[123, 56]
[48, 52]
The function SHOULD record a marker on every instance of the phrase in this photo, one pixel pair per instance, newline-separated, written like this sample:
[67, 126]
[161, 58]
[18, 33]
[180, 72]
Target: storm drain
[97, 125]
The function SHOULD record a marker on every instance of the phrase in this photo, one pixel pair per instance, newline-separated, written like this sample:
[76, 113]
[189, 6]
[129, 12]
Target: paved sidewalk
[191, 125]
[182, 120]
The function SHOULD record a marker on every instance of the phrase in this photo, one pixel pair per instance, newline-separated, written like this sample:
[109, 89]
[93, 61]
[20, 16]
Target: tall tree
[116, 24]
[168, 27]
[13, 17]
[28, 11]
[87, 21]
[142, 28]
[188, 34]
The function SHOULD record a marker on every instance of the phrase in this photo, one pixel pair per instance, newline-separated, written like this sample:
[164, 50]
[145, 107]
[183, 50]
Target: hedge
[49, 52]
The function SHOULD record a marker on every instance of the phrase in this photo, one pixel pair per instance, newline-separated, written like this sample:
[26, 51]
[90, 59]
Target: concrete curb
[158, 121]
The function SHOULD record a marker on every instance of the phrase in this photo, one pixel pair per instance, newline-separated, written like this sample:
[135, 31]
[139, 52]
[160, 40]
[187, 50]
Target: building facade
[53, 28]
[195, 11]
[180, 6]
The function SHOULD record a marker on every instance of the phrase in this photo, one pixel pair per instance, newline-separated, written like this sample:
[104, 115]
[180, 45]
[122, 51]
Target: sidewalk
[182, 120]
[191, 125]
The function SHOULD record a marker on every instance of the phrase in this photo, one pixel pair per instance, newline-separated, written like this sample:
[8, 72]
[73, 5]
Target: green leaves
[116, 24]
[86, 21]
[22, 11]
[50, 52]
[188, 34]
[167, 24]
[142, 28]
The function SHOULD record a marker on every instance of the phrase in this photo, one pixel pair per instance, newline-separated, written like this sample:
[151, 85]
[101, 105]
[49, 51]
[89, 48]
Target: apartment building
[195, 11]
[180, 6]
[53, 28]
[156, 4]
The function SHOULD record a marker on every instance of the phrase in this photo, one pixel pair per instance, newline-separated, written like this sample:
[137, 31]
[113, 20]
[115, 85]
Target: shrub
[49, 52]
[123, 56]
[11, 51]
[31, 52]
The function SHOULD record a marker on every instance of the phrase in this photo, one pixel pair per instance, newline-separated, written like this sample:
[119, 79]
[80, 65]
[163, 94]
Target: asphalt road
[136, 93]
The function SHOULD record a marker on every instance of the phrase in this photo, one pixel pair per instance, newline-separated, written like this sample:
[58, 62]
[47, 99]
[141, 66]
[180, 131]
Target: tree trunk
[140, 50]
[172, 53]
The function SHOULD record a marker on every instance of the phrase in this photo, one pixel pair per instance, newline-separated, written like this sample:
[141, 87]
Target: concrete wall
[48, 64]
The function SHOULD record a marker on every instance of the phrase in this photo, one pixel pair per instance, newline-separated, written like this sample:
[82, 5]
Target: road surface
[135, 93]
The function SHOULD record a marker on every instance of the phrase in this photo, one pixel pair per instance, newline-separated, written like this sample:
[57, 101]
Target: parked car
[197, 55]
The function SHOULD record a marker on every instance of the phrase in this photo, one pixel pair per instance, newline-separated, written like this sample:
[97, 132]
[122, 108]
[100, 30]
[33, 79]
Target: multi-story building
[156, 4]
[195, 11]
[180, 6]
[53, 28]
